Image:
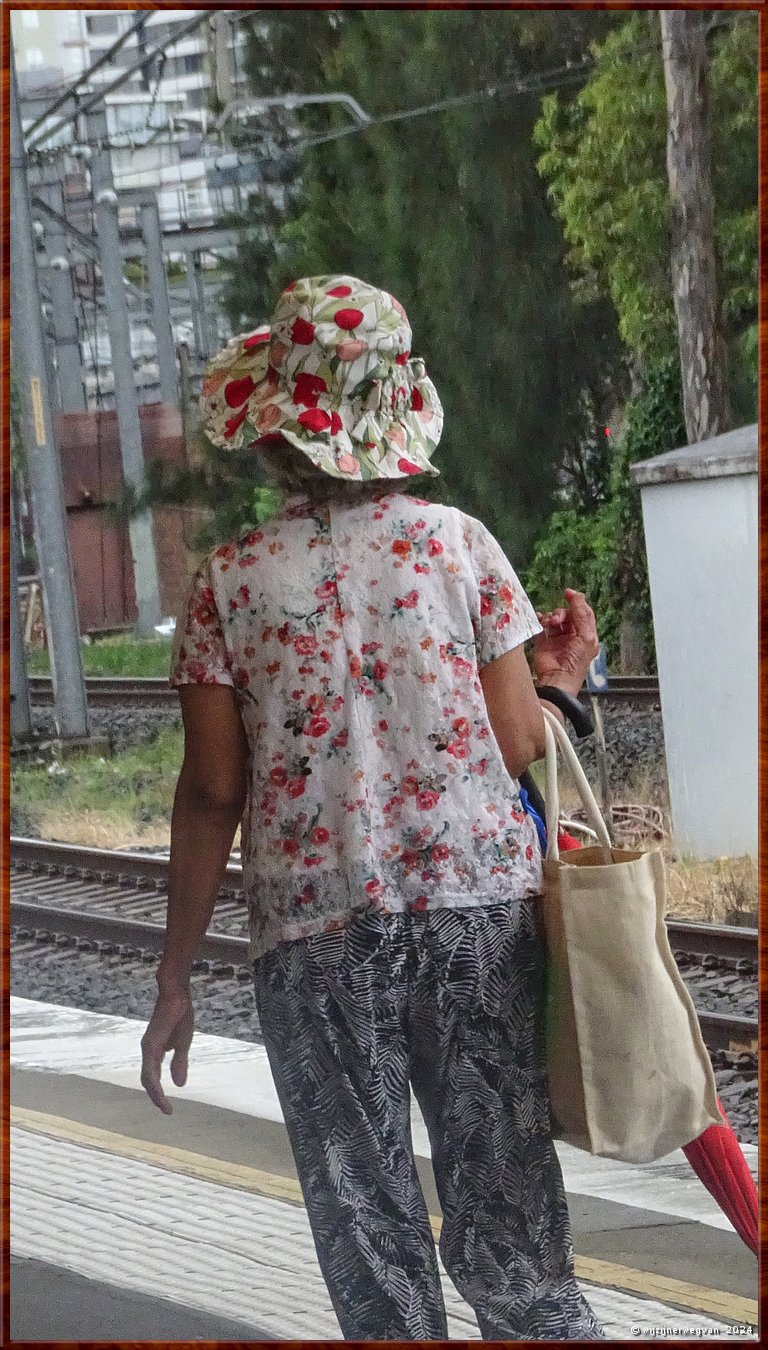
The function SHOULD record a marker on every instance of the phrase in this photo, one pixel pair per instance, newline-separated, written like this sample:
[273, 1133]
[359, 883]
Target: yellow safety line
[718, 1303]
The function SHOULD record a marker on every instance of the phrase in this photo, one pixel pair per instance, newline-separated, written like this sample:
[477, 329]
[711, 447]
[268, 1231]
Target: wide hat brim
[390, 431]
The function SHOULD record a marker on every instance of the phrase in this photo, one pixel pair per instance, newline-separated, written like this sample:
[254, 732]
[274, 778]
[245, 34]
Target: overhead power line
[536, 82]
[99, 95]
[558, 77]
[71, 92]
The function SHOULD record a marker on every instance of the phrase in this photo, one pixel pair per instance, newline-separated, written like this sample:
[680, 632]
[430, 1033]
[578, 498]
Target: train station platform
[193, 1227]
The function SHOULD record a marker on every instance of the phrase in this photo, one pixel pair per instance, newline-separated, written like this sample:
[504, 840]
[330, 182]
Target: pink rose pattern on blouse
[353, 635]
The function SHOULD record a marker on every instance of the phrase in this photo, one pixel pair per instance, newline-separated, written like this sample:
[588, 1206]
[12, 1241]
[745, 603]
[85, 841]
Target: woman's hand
[171, 1027]
[563, 652]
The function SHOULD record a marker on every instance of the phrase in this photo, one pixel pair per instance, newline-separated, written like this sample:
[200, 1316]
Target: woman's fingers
[151, 1069]
[182, 1040]
[577, 620]
[554, 618]
[583, 615]
[170, 1028]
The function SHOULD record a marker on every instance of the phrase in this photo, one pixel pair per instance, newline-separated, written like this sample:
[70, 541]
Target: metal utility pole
[68, 364]
[71, 709]
[161, 310]
[196, 286]
[21, 717]
[706, 403]
[140, 528]
[222, 61]
[185, 397]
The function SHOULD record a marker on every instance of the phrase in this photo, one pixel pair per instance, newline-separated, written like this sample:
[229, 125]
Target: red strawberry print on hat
[237, 391]
[348, 318]
[302, 333]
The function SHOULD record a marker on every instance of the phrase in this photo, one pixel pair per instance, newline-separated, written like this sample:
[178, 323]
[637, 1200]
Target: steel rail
[111, 688]
[108, 689]
[726, 1031]
[721, 1031]
[78, 923]
[713, 939]
[73, 858]
[699, 939]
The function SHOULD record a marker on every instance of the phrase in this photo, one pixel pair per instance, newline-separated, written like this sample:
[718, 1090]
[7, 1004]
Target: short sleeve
[504, 617]
[199, 651]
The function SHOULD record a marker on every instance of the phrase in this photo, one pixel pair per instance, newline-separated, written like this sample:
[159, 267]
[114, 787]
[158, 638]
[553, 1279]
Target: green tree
[605, 548]
[603, 154]
[228, 487]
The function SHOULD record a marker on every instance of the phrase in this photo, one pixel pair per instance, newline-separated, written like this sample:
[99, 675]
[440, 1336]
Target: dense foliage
[448, 212]
[604, 158]
[605, 548]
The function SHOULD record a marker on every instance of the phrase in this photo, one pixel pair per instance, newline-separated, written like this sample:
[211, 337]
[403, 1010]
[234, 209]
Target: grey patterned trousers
[450, 1002]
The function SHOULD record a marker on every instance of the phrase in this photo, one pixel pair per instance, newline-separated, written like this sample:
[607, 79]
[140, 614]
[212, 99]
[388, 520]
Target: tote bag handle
[555, 736]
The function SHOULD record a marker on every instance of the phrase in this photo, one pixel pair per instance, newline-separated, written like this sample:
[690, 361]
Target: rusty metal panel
[101, 560]
[77, 440]
[92, 472]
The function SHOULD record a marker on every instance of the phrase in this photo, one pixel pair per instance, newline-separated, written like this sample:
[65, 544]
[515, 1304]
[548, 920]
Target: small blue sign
[597, 675]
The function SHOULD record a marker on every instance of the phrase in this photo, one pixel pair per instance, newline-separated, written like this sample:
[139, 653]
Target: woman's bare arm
[514, 710]
[208, 806]
[207, 809]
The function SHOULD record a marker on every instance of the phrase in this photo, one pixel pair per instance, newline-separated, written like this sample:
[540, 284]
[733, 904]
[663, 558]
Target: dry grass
[99, 829]
[706, 892]
[712, 892]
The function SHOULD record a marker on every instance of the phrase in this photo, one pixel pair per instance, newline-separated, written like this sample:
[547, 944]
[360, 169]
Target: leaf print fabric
[352, 635]
[451, 1004]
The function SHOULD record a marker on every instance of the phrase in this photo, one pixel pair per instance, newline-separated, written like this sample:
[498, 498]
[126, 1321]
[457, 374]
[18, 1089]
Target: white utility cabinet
[700, 514]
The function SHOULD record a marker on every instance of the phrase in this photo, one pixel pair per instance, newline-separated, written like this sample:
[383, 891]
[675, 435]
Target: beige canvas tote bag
[629, 1074]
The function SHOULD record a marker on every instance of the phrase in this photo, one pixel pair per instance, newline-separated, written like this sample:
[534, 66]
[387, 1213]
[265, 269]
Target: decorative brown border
[4, 667]
[5, 12]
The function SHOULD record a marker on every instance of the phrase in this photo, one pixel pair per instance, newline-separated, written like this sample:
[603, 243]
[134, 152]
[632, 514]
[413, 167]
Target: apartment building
[159, 120]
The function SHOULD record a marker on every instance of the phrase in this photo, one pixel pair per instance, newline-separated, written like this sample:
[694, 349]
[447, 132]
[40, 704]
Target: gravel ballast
[634, 738]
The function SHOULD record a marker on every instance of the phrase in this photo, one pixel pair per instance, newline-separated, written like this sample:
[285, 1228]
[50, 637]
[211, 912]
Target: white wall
[701, 539]
[36, 38]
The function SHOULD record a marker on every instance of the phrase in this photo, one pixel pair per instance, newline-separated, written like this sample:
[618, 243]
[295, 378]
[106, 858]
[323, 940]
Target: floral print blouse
[352, 635]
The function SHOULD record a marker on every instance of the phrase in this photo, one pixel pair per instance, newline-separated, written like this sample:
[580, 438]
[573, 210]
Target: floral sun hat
[333, 375]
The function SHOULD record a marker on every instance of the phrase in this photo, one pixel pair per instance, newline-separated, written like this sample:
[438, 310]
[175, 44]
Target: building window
[30, 18]
[158, 32]
[196, 99]
[183, 65]
[34, 56]
[102, 23]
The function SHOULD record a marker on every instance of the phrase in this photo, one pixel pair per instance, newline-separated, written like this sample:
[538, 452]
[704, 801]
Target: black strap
[578, 716]
[526, 781]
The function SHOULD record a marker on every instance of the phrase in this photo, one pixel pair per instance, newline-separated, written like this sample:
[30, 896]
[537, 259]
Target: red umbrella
[716, 1156]
[718, 1162]
[566, 841]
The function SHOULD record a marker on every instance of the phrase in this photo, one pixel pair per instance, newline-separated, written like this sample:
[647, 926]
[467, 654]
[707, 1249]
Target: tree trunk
[632, 657]
[706, 404]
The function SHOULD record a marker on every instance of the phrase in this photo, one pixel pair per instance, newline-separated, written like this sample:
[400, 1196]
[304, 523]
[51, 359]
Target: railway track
[104, 691]
[96, 897]
[108, 690]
